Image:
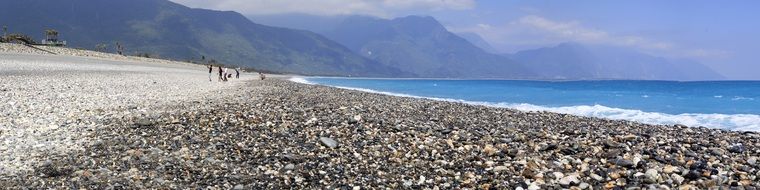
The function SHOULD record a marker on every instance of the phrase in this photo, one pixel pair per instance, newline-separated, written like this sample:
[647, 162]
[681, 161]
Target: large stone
[500, 168]
[736, 148]
[289, 167]
[142, 122]
[490, 150]
[329, 142]
[693, 175]
[677, 178]
[596, 177]
[569, 180]
[717, 151]
[651, 176]
[624, 163]
[584, 185]
[533, 186]
[630, 137]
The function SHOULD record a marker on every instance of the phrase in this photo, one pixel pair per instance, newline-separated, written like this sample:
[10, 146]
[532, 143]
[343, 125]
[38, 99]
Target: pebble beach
[89, 120]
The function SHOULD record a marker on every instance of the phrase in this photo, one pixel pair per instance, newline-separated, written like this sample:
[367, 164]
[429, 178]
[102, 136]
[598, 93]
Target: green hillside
[169, 30]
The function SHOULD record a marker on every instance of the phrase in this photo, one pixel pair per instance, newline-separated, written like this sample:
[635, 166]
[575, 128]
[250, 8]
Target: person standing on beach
[210, 70]
[237, 72]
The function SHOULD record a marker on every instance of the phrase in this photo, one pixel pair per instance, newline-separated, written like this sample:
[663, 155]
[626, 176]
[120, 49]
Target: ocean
[732, 105]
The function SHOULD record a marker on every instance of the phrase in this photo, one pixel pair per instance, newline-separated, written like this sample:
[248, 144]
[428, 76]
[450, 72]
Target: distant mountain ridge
[175, 31]
[300, 21]
[422, 46]
[579, 61]
[478, 41]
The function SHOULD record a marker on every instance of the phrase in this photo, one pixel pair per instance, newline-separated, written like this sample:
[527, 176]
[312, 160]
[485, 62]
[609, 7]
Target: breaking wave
[739, 122]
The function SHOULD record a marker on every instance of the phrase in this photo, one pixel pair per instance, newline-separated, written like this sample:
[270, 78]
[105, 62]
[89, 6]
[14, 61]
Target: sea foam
[300, 80]
[739, 122]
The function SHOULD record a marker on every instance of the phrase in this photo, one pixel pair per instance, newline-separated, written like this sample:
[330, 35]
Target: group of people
[224, 75]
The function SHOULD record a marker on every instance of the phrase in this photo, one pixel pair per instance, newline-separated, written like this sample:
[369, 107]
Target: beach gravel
[277, 134]
[50, 104]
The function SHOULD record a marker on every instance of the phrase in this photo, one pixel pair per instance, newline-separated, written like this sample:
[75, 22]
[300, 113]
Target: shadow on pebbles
[279, 134]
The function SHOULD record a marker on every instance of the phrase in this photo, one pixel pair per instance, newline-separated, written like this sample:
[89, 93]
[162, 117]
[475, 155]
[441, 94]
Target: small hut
[51, 39]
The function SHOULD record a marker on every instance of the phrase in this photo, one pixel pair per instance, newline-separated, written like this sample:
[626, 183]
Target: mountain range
[579, 61]
[478, 41]
[171, 30]
[422, 46]
[389, 41]
[411, 46]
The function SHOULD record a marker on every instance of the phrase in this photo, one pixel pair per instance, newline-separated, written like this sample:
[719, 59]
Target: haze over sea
[732, 105]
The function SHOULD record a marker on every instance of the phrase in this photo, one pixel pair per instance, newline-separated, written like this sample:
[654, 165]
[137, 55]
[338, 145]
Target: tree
[51, 34]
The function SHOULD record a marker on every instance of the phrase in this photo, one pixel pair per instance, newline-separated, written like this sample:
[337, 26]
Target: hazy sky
[724, 35]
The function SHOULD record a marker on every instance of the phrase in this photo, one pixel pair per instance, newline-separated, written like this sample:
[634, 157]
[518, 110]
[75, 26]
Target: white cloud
[380, 8]
[535, 31]
[430, 4]
[485, 26]
[574, 31]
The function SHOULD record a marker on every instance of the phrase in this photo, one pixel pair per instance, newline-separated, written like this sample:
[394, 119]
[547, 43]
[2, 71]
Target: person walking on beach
[210, 70]
[224, 77]
[220, 73]
[237, 72]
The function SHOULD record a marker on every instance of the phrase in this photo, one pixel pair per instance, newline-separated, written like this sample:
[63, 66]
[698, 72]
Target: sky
[724, 35]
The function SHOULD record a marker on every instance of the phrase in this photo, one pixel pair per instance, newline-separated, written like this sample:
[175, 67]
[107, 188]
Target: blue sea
[733, 105]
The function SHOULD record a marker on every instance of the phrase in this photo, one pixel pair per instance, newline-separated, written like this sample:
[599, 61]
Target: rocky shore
[142, 132]
[10, 48]
[50, 103]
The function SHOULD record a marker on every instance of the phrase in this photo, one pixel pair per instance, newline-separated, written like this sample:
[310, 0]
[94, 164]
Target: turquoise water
[717, 104]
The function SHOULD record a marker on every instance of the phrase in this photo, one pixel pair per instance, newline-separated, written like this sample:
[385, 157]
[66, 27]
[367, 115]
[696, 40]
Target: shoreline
[275, 134]
[542, 80]
[652, 118]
